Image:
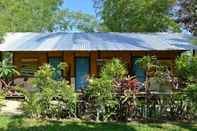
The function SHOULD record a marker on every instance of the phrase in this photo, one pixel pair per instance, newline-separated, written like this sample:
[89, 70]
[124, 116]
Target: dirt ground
[11, 107]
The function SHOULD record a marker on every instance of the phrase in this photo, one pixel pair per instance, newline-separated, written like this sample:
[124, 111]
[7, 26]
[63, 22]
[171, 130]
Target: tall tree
[188, 14]
[82, 22]
[29, 15]
[42, 16]
[136, 15]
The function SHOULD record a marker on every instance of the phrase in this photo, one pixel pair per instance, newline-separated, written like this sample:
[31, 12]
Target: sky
[85, 6]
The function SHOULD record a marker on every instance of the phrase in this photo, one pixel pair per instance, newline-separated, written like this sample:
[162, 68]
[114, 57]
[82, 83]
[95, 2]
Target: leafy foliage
[114, 69]
[29, 15]
[83, 22]
[186, 68]
[7, 70]
[42, 16]
[126, 90]
[136, 15]
[191, 96]
[102, 90]
[148, 63]
[187, 14]
[50, 98]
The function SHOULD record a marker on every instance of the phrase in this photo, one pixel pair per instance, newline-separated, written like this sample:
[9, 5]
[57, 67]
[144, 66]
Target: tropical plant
[66, 98]
[7, 72]
[114, 69]
[190, 97]
[50, 98]
[101, 91]
[126, 90]
[186, 68]
[149, 64]
[101, 94]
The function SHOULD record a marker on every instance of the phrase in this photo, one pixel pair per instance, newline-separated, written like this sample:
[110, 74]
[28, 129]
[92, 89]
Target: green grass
[24, 124]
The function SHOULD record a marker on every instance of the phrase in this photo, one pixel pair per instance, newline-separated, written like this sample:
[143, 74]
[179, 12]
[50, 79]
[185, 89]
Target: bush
[51, 98]
[113, 69]
[126, 93]
[186, 68]
[7, 72]
[101, 92]
[191, 97]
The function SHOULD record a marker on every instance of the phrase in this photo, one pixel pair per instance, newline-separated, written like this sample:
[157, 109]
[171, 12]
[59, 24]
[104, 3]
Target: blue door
[54, 62]
[82, 72]
[137, 70]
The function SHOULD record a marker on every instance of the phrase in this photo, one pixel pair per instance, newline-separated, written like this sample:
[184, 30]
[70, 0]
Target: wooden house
[86, 52]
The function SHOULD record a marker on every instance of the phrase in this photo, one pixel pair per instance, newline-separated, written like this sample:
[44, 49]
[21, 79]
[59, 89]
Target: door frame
[132, 65]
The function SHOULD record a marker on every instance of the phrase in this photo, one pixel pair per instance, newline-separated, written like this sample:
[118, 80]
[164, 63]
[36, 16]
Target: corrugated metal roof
[62, 41]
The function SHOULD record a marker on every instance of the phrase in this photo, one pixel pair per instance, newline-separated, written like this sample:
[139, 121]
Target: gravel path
[11, 107]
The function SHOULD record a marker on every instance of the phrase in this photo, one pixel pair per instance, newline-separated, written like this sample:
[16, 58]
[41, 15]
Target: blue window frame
[82, 69]
[137, 70]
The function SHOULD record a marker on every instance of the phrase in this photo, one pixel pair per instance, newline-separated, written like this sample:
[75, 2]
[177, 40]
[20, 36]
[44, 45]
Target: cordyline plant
[126, 92]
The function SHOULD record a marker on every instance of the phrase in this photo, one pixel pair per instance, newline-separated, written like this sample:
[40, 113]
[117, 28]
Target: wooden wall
[95, 56]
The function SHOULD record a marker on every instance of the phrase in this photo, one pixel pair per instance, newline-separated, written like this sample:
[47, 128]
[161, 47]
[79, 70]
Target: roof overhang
[62, 41]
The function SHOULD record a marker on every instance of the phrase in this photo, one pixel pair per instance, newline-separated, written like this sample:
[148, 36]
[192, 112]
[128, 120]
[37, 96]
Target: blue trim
[54, 62]
[82, 70]
[137, 70]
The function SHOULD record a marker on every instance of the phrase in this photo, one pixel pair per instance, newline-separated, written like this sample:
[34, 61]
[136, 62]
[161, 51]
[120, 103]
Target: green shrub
[101, 94]
[102, 91]
[32, 105]
[114, 69]
[186, 68]
[50, 98]
[190, 94]
[7, 72]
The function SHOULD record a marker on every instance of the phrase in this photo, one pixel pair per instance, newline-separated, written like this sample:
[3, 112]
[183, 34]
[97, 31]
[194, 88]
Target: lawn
[23, 124]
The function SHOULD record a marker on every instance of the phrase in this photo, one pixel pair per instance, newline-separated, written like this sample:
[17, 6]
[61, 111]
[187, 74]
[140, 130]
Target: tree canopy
[29, 15]
[42, 16]
[136, 15]
[82, 22]
[188, 14]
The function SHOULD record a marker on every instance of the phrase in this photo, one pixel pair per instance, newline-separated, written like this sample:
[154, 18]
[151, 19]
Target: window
[99, 64]
[28, 66]
[54, 62]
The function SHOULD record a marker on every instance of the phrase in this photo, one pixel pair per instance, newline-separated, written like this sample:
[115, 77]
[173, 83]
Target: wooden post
[93, 64]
